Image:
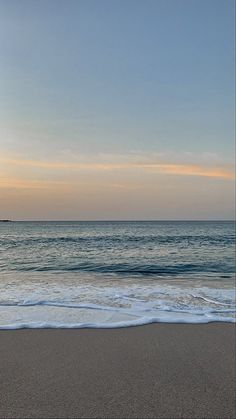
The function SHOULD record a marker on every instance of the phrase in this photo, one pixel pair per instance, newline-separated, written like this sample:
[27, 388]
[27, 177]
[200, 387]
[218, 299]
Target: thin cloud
[185, 169]
[14, 183]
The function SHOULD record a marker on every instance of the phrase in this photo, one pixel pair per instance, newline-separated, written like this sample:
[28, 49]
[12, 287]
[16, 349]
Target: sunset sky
[116, 109]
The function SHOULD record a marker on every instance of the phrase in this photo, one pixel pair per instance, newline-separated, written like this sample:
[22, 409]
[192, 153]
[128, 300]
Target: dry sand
[155, 371]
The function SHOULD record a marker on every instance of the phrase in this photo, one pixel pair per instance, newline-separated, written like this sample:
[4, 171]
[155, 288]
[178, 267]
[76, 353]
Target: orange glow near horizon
[113, 187]
[154, 168]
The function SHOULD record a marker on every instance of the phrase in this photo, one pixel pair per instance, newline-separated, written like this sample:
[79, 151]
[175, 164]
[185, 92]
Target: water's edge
[111, 275]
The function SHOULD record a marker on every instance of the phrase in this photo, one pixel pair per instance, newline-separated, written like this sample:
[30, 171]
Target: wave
[92, 306]
[208, 300]
[121, 238]
[114, 325]
[58, 304]
[129, 269]
[115, 307]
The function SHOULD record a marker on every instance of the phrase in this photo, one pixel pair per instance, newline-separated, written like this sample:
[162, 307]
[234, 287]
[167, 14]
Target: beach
[152, 371]
[117, 210]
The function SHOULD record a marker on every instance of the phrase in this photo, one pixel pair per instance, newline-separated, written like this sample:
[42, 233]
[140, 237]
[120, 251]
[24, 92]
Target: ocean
[116, 274]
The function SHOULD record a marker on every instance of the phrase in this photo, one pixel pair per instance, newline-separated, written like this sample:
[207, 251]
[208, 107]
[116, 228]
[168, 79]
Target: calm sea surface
[112, 274]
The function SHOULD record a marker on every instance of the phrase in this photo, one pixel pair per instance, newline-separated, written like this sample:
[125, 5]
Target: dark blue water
[138, 270]
[155, 248]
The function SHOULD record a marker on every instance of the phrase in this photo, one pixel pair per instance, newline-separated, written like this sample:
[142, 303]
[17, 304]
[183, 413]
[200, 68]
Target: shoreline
[160, 370]
[120, 326]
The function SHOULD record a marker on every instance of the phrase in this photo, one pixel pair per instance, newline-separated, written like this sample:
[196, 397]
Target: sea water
[116, 274]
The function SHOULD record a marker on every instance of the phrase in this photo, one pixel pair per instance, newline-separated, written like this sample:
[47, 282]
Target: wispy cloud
[146, 164]
[15, 183]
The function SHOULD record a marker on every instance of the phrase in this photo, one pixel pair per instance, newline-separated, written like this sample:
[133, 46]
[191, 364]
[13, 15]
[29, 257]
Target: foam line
[115, 325]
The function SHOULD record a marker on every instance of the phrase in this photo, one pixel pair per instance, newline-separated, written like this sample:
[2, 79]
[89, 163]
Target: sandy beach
[154, 371]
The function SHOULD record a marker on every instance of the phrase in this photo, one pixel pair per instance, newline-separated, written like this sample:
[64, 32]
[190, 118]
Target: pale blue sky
[118, 78]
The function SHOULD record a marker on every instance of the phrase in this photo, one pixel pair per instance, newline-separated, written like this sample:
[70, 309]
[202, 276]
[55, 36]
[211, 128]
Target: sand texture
[154, 371]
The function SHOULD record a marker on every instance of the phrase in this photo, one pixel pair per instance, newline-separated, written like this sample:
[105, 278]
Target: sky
[119, 109]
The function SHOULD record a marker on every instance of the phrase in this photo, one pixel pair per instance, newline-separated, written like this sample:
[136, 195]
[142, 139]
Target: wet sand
[154, 371]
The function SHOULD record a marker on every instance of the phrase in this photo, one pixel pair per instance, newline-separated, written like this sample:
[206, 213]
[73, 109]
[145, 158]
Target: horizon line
[119, 220]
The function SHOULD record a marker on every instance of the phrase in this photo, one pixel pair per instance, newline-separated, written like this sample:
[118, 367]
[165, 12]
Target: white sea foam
[75, 301]
[115, 324]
